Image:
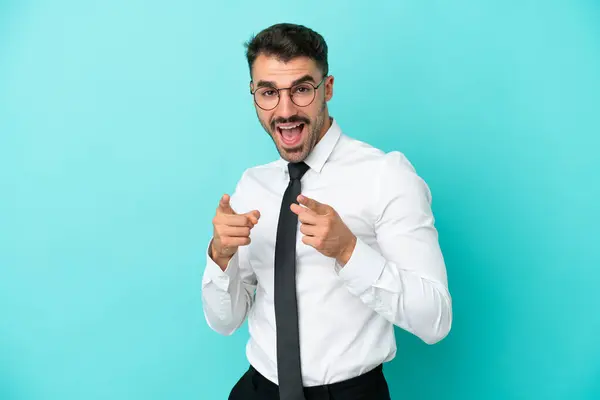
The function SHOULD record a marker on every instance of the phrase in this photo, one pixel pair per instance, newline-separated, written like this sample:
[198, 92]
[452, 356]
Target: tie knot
[297, 170]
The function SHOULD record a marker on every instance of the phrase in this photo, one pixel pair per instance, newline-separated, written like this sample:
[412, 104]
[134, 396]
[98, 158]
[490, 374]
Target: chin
[293, 155]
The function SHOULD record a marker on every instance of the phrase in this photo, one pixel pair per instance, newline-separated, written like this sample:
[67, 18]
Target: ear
[329, 87]
[251, 86]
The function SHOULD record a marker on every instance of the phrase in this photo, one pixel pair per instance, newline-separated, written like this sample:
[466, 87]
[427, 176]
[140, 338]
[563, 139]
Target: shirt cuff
[362, 269]
[215, 274]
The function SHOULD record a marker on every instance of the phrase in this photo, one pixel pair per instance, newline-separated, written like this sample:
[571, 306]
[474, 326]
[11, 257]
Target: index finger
[253, 216]
[305, 215]
[312, 204]
[238, 220]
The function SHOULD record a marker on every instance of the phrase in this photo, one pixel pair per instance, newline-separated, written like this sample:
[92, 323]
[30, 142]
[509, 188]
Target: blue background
[122, 122]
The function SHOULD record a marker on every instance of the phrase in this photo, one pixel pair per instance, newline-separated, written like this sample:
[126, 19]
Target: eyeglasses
[302, 95]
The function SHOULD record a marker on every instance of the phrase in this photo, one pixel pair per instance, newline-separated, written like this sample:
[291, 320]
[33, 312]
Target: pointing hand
[324, 229]
[230, 230]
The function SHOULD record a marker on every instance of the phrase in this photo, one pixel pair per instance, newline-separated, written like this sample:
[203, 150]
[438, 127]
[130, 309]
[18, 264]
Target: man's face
[294, 126]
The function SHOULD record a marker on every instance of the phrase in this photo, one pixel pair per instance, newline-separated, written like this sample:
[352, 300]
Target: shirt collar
[323, 149]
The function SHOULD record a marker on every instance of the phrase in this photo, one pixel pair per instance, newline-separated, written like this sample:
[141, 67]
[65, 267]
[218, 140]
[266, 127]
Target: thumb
[224, 205]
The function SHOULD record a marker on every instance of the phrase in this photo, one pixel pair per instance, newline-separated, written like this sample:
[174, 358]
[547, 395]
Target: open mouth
[291, 133]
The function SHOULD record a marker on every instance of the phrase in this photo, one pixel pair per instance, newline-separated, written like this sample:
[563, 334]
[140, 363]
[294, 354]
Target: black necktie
[286, 306]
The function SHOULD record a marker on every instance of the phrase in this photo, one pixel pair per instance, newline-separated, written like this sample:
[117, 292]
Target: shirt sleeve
[227, 296]
[404, 279]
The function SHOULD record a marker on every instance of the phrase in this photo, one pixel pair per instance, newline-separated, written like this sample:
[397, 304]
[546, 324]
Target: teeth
[289, 127]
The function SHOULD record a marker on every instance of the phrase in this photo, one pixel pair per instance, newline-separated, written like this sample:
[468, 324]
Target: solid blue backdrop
[122, 123]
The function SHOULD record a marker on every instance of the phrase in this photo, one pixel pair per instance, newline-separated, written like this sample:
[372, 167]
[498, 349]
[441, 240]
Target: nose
[286, 108]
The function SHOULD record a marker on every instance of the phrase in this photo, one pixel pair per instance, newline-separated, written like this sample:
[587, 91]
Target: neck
[326, 126]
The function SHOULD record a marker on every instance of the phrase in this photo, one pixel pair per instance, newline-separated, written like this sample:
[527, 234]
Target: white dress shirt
[395, 276]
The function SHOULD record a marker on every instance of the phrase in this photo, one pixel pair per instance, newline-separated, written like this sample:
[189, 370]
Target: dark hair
[286, 42]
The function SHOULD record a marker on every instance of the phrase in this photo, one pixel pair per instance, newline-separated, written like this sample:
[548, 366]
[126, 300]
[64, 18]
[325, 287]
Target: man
[323, 250]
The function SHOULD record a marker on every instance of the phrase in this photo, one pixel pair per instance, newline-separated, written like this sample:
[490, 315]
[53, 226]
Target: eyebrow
[305, 78]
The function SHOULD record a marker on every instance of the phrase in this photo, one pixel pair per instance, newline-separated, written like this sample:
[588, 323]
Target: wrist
[346, 252]
[221, 261]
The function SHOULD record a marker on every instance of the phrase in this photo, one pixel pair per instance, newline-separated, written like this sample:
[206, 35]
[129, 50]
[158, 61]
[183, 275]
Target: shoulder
[391, 174]
[383, 162]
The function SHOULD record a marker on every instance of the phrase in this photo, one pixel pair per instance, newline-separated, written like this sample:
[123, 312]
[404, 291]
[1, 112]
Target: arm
[228, 295]
[228, 285]
[405, 281]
